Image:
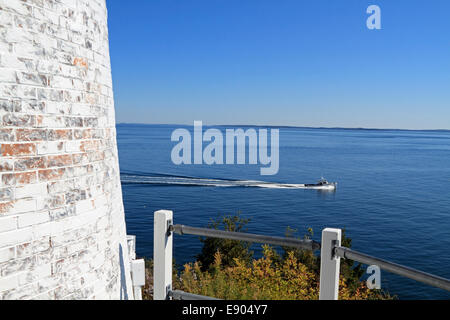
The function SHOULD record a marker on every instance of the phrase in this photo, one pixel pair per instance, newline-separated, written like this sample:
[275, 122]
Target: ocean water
[393, 196]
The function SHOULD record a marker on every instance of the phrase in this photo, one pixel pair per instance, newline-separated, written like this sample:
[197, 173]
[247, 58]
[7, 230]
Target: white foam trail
[221, 183]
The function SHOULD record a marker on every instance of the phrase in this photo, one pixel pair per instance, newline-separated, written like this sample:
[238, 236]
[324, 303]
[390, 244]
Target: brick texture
[62, 226]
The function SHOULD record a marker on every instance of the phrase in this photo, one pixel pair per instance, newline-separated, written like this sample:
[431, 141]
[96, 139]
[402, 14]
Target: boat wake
[162, 179]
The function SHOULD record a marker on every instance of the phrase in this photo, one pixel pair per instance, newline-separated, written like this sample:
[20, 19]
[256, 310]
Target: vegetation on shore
[227, 269]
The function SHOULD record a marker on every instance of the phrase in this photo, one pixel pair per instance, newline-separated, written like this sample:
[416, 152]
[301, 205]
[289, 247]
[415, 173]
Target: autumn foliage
[268, 278]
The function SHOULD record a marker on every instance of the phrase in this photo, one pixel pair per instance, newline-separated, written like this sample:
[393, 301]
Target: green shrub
[230, 249]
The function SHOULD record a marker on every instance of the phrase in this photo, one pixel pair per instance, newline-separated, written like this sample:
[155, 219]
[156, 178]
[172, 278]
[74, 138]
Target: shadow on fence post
[329, 265]
[162, 255]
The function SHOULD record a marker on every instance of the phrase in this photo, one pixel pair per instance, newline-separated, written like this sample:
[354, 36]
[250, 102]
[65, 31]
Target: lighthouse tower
[62, 226]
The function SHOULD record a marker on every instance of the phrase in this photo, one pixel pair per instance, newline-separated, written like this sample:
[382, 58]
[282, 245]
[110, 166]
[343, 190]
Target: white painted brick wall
[62, 226]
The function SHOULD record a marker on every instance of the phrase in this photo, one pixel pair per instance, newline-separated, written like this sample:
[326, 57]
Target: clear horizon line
[280, 126]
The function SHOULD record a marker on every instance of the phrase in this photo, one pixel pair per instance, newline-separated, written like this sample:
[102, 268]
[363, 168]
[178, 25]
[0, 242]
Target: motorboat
[322, 184]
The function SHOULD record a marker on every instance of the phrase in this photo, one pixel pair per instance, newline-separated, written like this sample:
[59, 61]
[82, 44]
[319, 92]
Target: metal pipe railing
[305, 244]
[181, 295]
[411, 273]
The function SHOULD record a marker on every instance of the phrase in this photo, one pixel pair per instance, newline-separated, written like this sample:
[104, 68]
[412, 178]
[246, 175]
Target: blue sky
[281, 62]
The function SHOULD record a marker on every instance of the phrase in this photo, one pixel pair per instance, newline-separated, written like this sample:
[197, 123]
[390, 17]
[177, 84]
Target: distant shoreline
[275, 126]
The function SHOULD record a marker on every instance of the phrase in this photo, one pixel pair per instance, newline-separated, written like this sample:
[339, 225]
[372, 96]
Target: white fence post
[329, 265]
[137, 268]
[162, 255]
[138, 277]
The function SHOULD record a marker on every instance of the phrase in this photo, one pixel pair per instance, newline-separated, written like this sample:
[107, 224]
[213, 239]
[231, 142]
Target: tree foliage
[229, 249]
[267, 278]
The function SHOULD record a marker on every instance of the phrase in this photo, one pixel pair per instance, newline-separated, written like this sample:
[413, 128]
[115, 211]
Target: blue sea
[393, 196]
